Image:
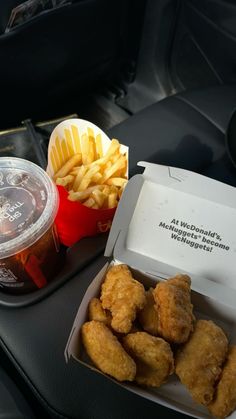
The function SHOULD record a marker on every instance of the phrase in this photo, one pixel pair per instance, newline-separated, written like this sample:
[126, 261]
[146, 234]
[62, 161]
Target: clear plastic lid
[28, 204]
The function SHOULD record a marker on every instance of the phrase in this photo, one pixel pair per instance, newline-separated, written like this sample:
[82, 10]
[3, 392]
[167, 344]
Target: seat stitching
[202, 113]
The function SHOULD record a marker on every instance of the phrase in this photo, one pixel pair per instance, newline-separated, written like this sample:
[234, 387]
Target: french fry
[92, 171]
[89, 203]
[106, 190]
[119, 164]
[114, 146]
[115, 157]
[65, 181]
[65, 169]
[80, 196]
[112, 200]
[84, 184]
[87, 178]
[113, 189]
[116, 181]
[97, 177]
[80, 174]
[108, 165]
[99, 197]
[74, 171]
[120, 173]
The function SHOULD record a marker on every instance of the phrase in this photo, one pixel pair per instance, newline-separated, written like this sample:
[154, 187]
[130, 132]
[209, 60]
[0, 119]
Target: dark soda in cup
[29, 248]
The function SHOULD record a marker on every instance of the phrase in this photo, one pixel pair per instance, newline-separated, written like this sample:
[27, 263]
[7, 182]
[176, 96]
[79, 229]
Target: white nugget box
[172, 221]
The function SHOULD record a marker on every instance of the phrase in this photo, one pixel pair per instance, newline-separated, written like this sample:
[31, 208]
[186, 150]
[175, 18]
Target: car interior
[160, 76]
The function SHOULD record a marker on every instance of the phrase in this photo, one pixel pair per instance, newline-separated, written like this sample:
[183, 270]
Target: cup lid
[28, 204]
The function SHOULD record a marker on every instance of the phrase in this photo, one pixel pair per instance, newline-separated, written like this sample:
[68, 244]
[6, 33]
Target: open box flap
[172, 220]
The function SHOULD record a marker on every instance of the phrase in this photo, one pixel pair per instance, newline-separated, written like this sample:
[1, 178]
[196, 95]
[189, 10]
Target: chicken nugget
[225, 397]
[153, 357]
[106, 352]
[148, 316]
[199, 362]
[175, 311]
[96, 312]
[123, 296]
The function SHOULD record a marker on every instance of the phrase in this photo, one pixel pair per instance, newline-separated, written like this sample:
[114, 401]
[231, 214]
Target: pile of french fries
[95, 179]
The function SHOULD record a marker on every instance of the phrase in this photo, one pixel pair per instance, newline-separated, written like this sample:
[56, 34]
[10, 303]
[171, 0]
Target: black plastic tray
[30, 142]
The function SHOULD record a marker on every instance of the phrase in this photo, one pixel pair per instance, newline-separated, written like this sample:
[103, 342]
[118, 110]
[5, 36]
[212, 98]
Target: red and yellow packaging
[90, 171]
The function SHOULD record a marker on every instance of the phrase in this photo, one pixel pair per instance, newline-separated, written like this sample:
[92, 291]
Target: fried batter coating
[153, 357]
[199, 362]
[96, 312]
[175, 311]
[123, 296]
[225, 397]
[106, 352]
[148, 316]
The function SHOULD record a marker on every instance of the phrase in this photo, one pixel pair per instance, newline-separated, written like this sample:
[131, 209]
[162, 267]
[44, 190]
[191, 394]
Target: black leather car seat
[49, 61]
[186, 130]
[12, 403]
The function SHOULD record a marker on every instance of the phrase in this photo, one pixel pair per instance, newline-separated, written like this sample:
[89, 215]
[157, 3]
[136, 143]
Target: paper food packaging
[176, 222]
[74, 220]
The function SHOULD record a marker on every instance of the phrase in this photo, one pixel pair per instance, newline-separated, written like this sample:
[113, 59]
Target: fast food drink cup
[28, 240]
[75, 220]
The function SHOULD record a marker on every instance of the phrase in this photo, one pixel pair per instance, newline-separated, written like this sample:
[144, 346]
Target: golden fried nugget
[106, 352]
[225, 397]
[96, 312]
[175, 311]
[148, 316]
[199, 362]
[123, 296]
[153, 357]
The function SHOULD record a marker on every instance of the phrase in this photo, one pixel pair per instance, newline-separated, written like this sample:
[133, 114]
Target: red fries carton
[90, 171]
